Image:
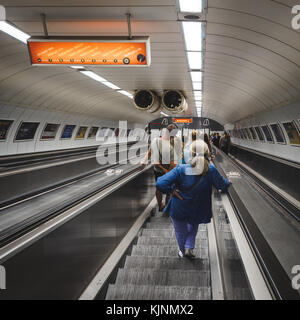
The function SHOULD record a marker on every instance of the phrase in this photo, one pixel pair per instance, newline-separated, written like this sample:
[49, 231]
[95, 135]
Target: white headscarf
[197, 151]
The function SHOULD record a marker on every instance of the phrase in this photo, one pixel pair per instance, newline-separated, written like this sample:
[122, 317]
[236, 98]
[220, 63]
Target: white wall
[18, 114]
[283, 114]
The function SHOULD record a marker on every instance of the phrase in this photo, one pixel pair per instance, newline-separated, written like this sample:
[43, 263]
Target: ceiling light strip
[103, 81]
[190, 5]
[14, 31]
[192, 32]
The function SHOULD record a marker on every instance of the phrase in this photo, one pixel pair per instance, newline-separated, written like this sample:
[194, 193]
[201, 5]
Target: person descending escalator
[207, 140]
[166, 153]
[225, 143]
[191, 189]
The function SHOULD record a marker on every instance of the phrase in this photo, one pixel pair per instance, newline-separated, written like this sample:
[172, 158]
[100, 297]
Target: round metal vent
[174, 100]
[146, 100]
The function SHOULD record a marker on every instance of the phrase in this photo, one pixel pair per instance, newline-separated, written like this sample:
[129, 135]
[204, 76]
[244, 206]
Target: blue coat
[196, 206]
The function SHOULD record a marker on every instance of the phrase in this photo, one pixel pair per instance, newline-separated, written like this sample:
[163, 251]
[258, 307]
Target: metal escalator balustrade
[273, 239]
[57, 259]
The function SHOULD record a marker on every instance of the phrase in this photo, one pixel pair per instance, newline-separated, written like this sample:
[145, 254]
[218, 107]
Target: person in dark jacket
[225, 143]
[191, 186]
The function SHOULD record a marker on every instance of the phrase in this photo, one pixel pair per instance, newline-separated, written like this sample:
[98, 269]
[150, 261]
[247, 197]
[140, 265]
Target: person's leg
[158, 195]
[181, 232]
[191, 236]
[167, 199]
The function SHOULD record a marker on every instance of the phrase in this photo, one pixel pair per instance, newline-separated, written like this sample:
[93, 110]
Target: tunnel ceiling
[251, 60]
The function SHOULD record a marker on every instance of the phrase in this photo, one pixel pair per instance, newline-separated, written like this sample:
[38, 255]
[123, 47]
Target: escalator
[153, 271]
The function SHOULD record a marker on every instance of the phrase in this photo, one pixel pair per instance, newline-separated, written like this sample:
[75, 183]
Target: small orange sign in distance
[183, 120]
[76, 52]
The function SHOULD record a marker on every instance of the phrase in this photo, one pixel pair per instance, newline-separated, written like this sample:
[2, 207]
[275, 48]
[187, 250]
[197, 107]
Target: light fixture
[14, 32]
[196, 76]
[198, 95]
[77, 67]
[193, 35]
[194, 59]
[93, 76]
[125, 93]
[190, 5]
[110, 85]
[197, 85]
[164, 114]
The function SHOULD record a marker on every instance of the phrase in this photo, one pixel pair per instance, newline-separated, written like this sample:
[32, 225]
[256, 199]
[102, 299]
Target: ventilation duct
[147, 100]
[174, 101]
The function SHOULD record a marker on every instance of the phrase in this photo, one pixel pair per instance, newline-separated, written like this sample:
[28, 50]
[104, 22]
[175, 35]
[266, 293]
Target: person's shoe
[161, 209]
[165, 215]
[180, 254]
[189, 253]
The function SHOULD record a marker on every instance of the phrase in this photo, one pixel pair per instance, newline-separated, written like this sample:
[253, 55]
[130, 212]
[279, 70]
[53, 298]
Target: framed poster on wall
[92, 133]
[292, 133]
[267, 133]
[278, 133]
[117, 132]
[4, 128]
[81, 132]
[49, 131]
[68, 131]
[102, 132]
[26, 131]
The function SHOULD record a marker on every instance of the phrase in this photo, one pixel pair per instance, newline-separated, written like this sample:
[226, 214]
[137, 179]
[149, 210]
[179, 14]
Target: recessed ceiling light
[93, 76]
[190, 5]
[110, 85]
[125, 93]
[197, 85]
[14, 32]
[196, 76]
[193, 35]
[198, 94]
[194, 59]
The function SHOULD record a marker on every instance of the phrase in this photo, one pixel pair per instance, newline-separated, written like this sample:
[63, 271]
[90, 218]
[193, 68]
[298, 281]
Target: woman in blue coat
[191, 186]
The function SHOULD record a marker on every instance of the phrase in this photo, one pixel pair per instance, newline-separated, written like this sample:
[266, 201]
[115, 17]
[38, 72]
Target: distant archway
[186, 122]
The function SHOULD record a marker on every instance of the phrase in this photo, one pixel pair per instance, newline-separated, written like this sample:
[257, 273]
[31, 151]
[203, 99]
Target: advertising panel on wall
[292, 133]
[49, 131]
[26, 131]
[68, 131]
[102, 132]
[4, 127]
[92, 133]
[267, 133]
[102, 51]
[278, 133]
[81, 132]
[117, 132]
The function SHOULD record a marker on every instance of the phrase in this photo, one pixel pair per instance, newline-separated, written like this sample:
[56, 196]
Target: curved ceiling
[251, 60]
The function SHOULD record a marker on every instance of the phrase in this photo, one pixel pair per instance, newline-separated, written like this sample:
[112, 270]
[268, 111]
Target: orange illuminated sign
[183, 120]
[90, 52]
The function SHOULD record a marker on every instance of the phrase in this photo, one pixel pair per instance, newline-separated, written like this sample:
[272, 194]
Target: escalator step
[168, 225]
[130, 292]
[166, 263]
[168, 233]
[191, 278]
[164, 251]
[157, 241]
